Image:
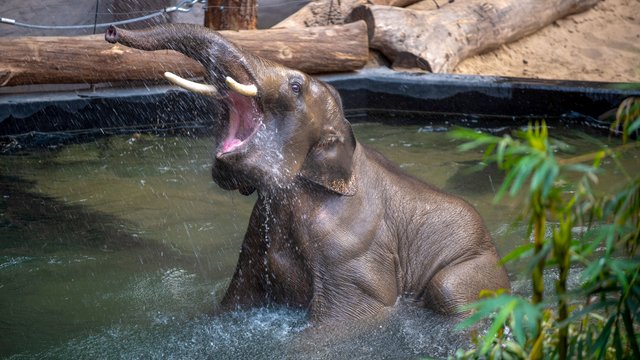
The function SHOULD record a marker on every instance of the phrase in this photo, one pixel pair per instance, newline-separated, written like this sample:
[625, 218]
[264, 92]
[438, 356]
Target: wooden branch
[438, 40]
[90, 59]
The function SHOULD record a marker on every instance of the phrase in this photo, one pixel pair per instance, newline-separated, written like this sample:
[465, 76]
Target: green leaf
[523, 169]
[629, 327]
[474, 138]
[515, 349]
[505, 185]
[591, 308]
[517, 253]
[601, 342]
[518, 321]
[489, 150]
[634, 125]
[549, 181]
[497, 324]
[617, 342]
[617, 270]
[540, 174]
[502, 145]
[592, 271]
[479, 312]
[534, 260]
[594, 237]
[580, 168]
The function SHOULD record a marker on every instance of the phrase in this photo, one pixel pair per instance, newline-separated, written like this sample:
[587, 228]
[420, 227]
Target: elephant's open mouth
[245, 116]
[245, 119]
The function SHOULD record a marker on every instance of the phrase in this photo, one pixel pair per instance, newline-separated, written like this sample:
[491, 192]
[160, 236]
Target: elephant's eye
[296, 87]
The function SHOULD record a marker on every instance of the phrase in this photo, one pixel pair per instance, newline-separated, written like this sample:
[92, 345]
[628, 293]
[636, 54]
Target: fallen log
[90, 59]
[438, 40]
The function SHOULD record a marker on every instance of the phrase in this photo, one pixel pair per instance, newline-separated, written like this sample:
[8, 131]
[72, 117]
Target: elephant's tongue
[243, 120]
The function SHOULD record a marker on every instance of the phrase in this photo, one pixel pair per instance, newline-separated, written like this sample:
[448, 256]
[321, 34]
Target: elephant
[337, 229]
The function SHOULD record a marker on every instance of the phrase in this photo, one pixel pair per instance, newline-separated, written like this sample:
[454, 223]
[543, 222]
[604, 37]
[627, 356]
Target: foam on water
[269, 333]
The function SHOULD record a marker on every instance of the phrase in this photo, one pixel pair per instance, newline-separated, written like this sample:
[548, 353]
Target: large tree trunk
[320, 13]
[90, 59]
[438, 40]
[231, 15]
[332, 12]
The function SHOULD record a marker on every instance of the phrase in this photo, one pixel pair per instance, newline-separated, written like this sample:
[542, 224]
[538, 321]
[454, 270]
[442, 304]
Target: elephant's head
[280, 124]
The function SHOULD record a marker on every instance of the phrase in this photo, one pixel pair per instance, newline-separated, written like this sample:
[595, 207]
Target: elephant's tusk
[246, 90]
[195, 87]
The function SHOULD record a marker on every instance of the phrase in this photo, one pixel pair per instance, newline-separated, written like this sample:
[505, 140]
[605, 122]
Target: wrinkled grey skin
[337, 228]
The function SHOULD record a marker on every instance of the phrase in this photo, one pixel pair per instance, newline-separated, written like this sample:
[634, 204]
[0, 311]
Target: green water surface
[126, 240]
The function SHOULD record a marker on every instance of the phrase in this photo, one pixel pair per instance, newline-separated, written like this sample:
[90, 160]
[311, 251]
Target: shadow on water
[470, 180]
[53, 225]
[67, 269]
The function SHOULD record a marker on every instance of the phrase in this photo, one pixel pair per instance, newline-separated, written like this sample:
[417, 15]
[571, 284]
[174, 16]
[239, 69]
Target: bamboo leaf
[619, 274]
[515, 349]
[630, 330]
[497, 324]
[617, 342]
[489, 150]
[536, 350]
[600, 346]
[517, 253]
[544, 252]
[482, 309]
[501, 150]
[635, 125]
[540, 175]
[592, 271]
[554, 170]
[517, 325]
[594, 307]
[523, 169]
[505, 185]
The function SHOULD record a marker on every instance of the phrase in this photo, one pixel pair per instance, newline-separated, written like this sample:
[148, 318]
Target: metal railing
[182, 6]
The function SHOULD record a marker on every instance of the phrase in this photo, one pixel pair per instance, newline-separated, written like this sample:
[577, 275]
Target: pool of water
[120, 247]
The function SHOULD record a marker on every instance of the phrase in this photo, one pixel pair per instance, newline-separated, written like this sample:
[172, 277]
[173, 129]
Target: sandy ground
[601, 44]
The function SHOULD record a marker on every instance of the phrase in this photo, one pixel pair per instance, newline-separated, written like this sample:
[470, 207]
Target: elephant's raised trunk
[220, 57]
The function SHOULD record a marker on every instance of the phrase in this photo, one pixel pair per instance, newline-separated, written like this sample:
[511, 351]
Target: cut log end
[363, 12]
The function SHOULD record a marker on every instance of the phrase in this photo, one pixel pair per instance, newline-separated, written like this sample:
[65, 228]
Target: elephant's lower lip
[244, 121]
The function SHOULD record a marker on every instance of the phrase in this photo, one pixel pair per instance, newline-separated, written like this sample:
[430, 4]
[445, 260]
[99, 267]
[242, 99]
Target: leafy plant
[600, 318]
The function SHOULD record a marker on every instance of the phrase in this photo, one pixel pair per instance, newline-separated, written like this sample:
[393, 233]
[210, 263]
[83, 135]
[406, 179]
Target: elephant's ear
[329, 163]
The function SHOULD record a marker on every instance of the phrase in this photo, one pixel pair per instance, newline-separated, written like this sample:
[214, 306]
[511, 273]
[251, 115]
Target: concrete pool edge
[368, 95]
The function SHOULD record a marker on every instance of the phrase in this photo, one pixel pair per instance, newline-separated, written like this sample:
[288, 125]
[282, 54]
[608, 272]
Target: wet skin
[337, 228]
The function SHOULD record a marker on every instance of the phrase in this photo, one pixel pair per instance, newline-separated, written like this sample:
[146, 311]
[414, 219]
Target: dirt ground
[601, 44]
